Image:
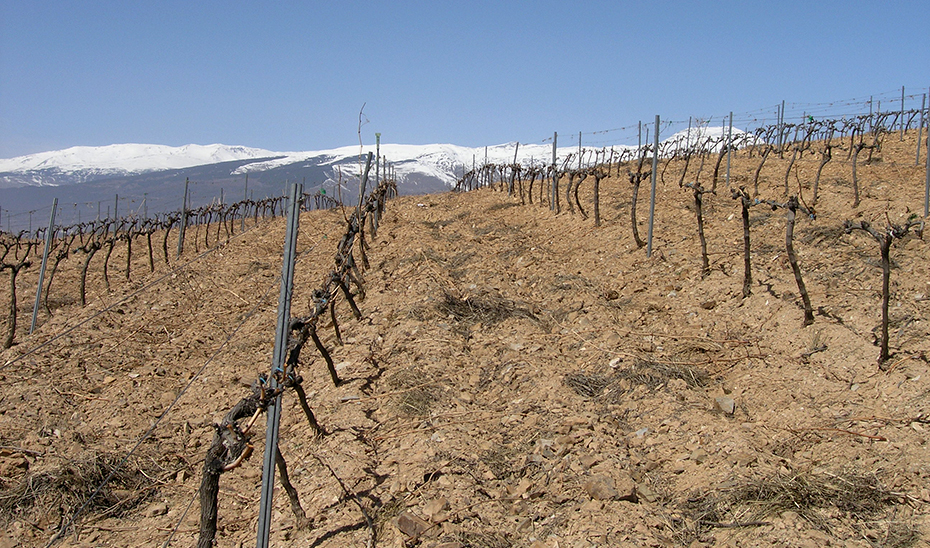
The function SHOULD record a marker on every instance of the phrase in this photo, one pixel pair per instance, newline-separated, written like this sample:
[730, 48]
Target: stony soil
[519, 378]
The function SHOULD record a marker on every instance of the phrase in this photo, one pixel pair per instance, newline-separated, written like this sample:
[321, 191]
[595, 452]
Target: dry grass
[417, 393]
[67, 486]
[825, 500]
[651, 374]
[487, 308]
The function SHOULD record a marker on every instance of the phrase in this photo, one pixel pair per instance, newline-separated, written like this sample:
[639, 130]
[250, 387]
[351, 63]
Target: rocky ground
[519, 378]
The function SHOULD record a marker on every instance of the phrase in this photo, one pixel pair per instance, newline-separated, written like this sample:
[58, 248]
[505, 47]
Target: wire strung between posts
[57, 536]
[181, 520]
[102, 311]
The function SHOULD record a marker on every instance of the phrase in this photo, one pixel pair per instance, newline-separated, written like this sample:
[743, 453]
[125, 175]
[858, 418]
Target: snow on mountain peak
[131, 158]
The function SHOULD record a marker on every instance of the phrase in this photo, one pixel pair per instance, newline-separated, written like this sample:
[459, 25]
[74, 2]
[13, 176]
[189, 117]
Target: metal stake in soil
[277, 366]
[48, 246]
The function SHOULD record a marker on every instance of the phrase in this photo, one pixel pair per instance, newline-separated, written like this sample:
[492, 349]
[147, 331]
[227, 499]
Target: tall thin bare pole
[579, 150]
[902, 113]
[555, 172]
[920, 127]
[183, 219]
[652, 200]
[377, 159]
[927, 180]
[729, 144]
[49, 236]
[280, 353]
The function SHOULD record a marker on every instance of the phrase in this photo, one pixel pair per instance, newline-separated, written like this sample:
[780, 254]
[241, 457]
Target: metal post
[687, 136]
[729, 144]
[516, 150]
[920, 128]
[183, 227]
[377, 159]
[652, 201]
[579, 150]
[639, 147]
[778, 125]
[277, 365]
[927, 181]
[902, 113]
[245, 198]
[48, 246]
[870, 113]
[555, 172]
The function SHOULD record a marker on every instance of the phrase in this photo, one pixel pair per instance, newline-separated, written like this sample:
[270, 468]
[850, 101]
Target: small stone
[525, 526]
[600, 488]
[156, 509]
[742, 459]
[709, 305]
[436, 508]
[698, 456]
[645, 493]
[411, 525]
[626, 488]
[587, 461]
[725, 405]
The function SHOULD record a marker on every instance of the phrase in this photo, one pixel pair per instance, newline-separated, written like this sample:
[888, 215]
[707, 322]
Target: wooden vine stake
[885, 238]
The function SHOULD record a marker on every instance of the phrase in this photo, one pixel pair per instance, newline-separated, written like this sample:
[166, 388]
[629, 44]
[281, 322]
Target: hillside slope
[519, 378]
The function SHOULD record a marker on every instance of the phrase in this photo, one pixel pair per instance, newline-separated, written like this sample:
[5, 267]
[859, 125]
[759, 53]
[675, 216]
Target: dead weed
[822, 499]
[64, 487]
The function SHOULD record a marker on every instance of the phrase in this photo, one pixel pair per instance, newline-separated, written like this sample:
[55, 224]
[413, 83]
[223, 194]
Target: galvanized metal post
[927, 179]
[781, 128]
[245, 198]
[183, 227]
[652, 201]
[48, 246]
[729, 144]
[902, 113]
[579, 150]
[377, 159]
[555, 173]
[516, 150]
[277, 365]
[920, 128]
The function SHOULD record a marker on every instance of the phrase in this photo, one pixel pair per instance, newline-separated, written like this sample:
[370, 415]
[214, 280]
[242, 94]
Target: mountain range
[148, 179]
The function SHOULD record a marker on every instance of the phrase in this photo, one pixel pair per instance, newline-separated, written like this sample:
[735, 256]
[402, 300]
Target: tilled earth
[519, 378]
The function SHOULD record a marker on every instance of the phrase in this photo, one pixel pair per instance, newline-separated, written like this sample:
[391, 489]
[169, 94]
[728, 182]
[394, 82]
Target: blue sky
[293, 75]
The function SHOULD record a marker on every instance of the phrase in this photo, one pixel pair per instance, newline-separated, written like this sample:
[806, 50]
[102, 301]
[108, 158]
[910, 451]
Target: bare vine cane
[792, 206]
[885, 238]
[230, 447]
[699, 192]
[745, 202]
[20, 260]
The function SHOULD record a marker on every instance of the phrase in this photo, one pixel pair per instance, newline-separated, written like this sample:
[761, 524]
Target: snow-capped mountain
[83, 164]
[152, 178]
[441, 163]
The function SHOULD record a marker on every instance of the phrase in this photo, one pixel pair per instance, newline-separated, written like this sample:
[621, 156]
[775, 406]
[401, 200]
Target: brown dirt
[520, 378]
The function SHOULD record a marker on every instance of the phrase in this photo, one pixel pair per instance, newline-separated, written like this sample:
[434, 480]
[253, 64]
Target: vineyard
[532, 360]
